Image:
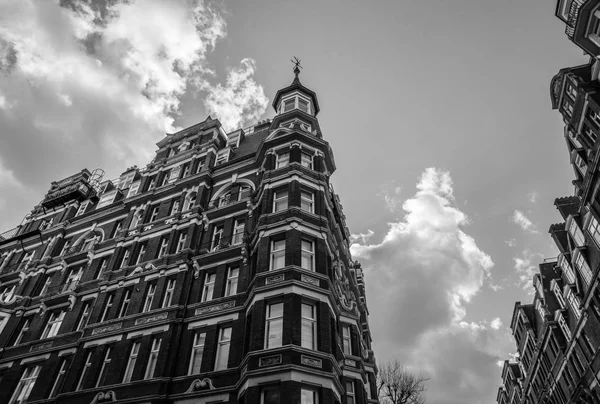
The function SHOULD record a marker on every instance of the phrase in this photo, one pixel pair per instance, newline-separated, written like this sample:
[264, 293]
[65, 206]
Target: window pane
[271, 396]
[308, 397]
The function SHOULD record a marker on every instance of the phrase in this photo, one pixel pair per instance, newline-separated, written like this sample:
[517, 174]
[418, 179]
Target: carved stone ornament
[200, 384]
[314, 362]
[269, 361]
[341, 287]
[105, 397]
[274, 279]
[212, 309]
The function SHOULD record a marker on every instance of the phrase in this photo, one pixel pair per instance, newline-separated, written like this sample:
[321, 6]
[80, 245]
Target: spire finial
[297, 66]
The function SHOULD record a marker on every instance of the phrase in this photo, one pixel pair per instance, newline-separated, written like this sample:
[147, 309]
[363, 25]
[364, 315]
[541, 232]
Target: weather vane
[297, 66]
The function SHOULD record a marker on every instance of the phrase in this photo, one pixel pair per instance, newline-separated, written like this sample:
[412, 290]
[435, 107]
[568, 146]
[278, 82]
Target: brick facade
[155, 287]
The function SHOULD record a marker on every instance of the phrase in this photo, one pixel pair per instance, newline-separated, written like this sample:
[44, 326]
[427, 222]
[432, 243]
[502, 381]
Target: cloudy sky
[449, 155]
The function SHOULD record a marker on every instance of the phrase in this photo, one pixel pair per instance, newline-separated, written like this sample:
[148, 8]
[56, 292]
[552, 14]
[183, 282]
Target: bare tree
[396, 385]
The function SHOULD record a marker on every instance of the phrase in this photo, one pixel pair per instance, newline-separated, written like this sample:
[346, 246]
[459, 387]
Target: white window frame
[25, 385]
[46, 285]
[273, 320]
[133, 190]
[346, 339]
[133, 354]
[306, 160]
[154, 214]
[104, 367]
[152, 358]
[107, 306]
[233, 274]
[574, 302]
[125, 303]
[22, 331]
[309, 320]
[85, 315]
[62, 370]
[181, 241]
[8, 292]
[222, 156]
[164, 245]
[567, 270]
[244, 192]
[53, 325]
[125, 258]
[307, 260]
[217, 237]
[238, 231]
[307, 204]
[222, 358]
[174, 208]
[280, 200]
[350, 392]
[282, 159]
[106, 199]
[149, 297]
[593, 228]
[82, 207]
[84, 370]
[589, 132]
[558, 293]
[277, 254]
[575, 232]
[564, 327]
[103, 266]
[224, 199]
[190, 202]
[197, 353]
[169, 292]
[582, 267]
[309, 396]
[140, 255]
[208, 289]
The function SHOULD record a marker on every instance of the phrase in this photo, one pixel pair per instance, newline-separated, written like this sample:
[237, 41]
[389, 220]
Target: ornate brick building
[558, 334]
[219, 273]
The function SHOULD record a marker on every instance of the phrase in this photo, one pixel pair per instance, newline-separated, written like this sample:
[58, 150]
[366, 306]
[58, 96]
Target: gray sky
[449, 155]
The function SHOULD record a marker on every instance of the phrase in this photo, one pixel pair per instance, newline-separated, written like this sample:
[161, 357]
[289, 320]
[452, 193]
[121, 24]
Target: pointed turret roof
[297, 86]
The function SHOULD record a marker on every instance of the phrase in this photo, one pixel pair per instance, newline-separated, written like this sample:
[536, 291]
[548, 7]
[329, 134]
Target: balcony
[75, 191]
[61, 294]
[77, 253]
[17, 234]
[573, 16]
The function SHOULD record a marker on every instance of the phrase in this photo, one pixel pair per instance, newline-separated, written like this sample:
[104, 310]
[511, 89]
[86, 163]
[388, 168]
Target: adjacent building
[558, 333]
[218, 273]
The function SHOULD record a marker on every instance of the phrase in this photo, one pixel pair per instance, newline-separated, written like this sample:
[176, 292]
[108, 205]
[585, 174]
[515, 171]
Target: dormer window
[107, 199]
[295, 102]
[222, 156]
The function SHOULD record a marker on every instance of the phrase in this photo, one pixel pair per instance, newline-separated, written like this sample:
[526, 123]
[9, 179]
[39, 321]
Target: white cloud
[526, 266]
[362, 237]
[391, 196]
[523, 222]
[97, 87]
[511, 243]
[240, 101]
[532, 196]
[428, 268]
[496, 323]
